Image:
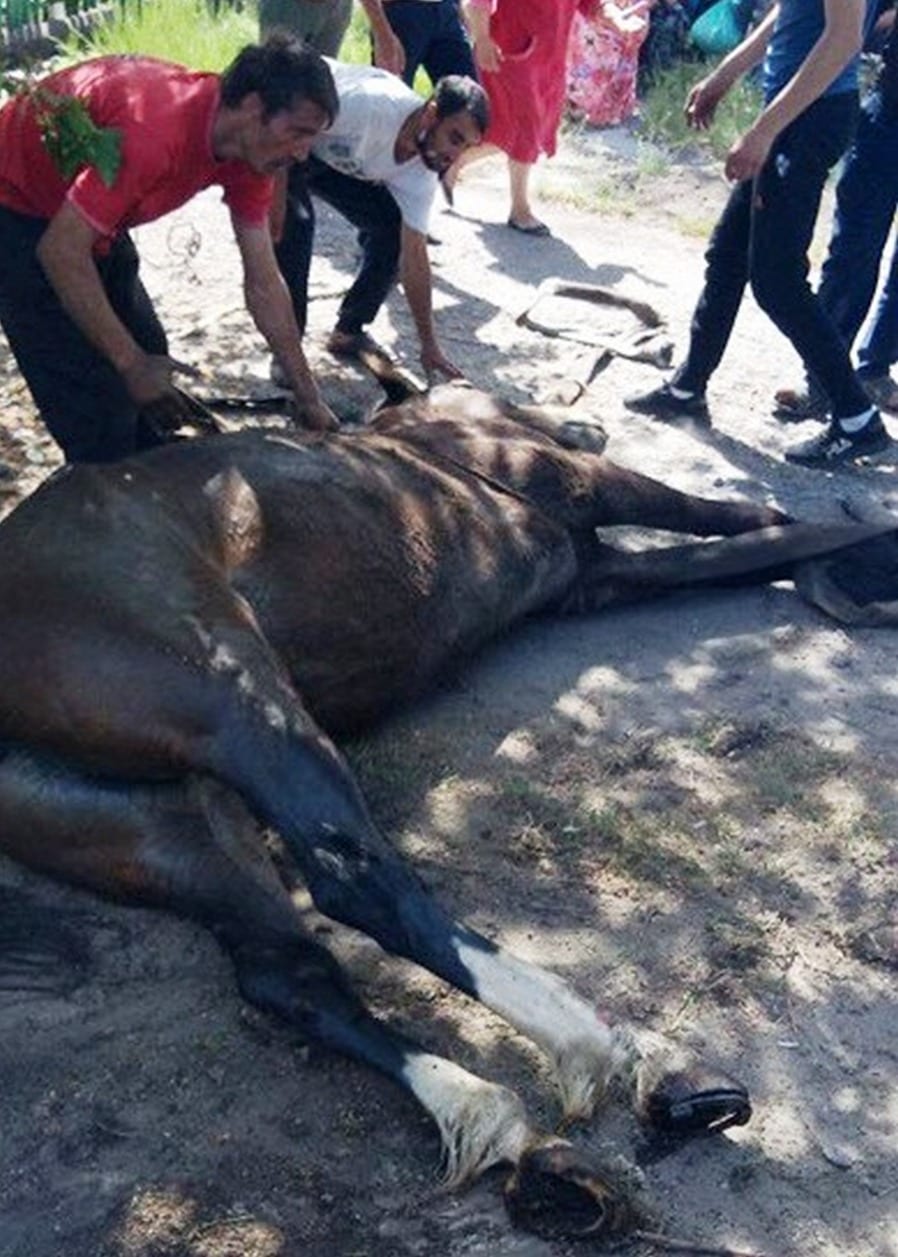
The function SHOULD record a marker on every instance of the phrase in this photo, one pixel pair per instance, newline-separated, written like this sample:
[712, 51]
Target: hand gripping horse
[184, 632]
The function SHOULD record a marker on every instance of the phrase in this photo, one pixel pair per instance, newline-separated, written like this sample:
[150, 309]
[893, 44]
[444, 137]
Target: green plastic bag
[719, 29]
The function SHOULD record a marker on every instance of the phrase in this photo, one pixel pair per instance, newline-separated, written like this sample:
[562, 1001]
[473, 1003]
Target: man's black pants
[763, 237]
[370, 208]
[81, 397]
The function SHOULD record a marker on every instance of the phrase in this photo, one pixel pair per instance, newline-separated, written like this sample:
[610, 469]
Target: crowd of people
[288, 124]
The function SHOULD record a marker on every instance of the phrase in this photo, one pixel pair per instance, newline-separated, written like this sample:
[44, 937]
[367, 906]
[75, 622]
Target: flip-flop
[538, 229]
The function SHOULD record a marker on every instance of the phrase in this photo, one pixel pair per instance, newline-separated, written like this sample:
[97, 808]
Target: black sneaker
[662, 403]
[836, 446]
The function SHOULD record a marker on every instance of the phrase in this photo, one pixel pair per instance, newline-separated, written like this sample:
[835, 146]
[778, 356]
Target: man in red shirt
[77, 317]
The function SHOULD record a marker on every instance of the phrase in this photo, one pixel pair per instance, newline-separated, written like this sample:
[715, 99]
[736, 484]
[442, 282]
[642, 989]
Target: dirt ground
[688, 809]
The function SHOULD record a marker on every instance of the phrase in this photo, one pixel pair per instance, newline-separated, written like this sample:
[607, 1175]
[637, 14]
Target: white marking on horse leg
[480, 1123]
[584, 1050]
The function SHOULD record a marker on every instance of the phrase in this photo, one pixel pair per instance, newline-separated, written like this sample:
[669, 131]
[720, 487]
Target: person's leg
[414, 25]
[877, 181]
[449, 50]
[866, 196]
[372, 209]
[521, 216]
[320, 23]
[790, 187]
[726, 274]
[82, 399]
[334, 25]
[878, 348]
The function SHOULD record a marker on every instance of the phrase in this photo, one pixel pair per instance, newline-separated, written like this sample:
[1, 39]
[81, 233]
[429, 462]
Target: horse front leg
[191, 847]
[305, 790]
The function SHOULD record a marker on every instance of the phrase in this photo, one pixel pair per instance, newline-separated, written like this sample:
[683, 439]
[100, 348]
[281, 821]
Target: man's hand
[702, 102]
[314, 414]
[748, 155]
[487, 54]
[149, 383]
[435, 364]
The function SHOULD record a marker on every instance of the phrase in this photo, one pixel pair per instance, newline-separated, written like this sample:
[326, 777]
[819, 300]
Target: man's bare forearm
[65, 252]
[417, 283]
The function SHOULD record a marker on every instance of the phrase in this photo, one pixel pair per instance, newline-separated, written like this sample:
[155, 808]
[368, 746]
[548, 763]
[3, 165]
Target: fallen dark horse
[179, 631]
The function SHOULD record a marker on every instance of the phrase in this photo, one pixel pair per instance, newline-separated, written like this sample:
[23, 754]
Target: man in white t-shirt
[379, 165]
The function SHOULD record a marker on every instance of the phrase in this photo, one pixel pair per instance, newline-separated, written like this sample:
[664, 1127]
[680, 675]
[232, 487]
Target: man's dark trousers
[370, 208]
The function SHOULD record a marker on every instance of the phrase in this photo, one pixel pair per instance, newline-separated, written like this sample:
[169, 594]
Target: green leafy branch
[70, 135]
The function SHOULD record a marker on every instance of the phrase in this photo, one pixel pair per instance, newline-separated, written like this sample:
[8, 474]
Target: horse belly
[394, 588]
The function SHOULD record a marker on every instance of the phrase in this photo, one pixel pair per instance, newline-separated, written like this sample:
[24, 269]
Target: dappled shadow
[685, 808]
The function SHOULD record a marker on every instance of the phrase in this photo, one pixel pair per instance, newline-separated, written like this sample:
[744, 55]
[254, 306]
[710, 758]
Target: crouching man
[77, 317]
[379, 166]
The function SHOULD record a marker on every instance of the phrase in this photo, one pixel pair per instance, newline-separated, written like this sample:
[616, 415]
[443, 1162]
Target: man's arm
[707, 94]
[414, 272]
[65, 252]
[268, 301]
[389, 53]
[841, 39]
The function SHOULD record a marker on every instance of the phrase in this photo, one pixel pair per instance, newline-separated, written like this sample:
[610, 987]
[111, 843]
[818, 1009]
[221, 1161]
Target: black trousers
[762, 238]
[370, 208]
[81, 397]
[432, 36]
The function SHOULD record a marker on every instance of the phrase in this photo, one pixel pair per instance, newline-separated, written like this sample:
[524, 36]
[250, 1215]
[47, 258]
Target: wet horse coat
[182, 633]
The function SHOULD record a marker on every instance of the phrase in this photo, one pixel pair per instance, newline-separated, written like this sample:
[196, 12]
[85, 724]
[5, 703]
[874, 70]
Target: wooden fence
[32, 25]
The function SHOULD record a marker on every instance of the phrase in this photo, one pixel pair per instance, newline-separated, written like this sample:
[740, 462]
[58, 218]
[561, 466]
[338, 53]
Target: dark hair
[456, 92]
[283, 71]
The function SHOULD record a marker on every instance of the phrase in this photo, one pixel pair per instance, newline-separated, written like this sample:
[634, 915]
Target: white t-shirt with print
[373, 106]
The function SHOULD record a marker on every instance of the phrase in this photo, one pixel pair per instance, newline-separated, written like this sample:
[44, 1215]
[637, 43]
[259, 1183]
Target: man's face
[273, 143]
[442, 140]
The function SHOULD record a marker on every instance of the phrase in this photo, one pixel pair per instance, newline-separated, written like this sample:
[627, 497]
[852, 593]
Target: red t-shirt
[164, 114]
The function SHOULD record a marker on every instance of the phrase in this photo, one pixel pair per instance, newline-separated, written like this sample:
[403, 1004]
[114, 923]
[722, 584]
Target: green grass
[186, 31]
[195, 33]
[663, 122]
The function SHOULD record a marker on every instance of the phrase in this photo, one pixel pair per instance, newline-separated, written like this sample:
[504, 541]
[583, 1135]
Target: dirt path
[688, 809]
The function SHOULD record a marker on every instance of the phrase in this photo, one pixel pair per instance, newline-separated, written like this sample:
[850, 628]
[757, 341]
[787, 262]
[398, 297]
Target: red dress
[527, 94]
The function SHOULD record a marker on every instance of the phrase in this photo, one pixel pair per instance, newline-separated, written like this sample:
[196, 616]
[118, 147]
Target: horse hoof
[697, 1101]
[557, 1192]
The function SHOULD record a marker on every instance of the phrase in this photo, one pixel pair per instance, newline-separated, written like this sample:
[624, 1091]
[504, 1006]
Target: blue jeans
[866, 198]
[432, 35]
[763, 237]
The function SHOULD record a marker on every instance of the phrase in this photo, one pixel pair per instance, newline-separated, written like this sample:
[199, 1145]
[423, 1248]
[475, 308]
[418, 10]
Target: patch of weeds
[651, 849]
[652, 162]
[695, 228]
[663, 122]
[788, 773]
[729, 739]
[396, 771]
[736, 945]
[635, 751]
[598, 194]
[537, 815]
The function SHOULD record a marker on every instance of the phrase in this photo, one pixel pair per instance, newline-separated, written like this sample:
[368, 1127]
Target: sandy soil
[689, 809]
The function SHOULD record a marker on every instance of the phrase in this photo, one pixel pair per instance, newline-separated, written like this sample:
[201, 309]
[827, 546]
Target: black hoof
[556, 1192]
[697, 1101]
